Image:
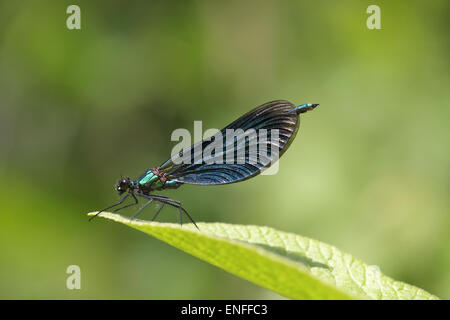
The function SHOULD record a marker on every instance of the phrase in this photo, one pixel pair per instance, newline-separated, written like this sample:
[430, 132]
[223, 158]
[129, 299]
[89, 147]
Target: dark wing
[209, 161]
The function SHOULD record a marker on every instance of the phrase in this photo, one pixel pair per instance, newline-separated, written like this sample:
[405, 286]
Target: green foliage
[291, 265]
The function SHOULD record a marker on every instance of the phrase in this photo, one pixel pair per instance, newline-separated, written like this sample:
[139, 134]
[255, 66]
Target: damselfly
[238, 152]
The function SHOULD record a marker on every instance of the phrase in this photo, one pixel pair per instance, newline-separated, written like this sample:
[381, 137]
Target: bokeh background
[369, 171]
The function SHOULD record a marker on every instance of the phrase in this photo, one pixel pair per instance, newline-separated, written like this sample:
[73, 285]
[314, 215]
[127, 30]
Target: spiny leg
[128, 205]
[189, 216]
[148, 203]
[170, 202]
[142, 208]
[157, 212]
[120, 201]
[163, 198]
[177, 204]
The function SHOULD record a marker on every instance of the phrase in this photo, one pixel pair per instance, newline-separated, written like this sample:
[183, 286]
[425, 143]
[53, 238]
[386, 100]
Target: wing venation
[240, 156]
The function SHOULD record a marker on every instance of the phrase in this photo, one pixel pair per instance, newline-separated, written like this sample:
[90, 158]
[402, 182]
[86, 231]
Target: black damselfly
[238, 152]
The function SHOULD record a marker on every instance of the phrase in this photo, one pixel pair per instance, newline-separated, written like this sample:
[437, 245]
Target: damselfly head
[123, 185]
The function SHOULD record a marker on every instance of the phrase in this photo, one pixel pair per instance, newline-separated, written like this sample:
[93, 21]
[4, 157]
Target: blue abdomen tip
[305, 107]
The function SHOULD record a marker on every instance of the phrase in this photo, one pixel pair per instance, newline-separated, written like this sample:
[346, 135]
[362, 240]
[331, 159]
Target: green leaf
[291, 265]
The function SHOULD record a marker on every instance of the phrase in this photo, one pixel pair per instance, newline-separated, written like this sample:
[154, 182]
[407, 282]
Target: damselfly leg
[128, 205]
[112, 206]
[142, 208]
[170, 202]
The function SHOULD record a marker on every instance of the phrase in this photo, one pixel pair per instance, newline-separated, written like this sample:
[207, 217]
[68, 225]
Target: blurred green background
[369, 171]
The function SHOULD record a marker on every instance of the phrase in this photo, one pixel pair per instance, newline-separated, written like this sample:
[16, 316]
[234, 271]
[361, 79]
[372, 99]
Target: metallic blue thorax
[150, 181]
